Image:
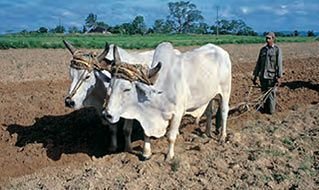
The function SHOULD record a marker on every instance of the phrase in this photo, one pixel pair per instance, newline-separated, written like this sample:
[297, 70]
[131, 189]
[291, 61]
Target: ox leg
[171, 135]
[224, 107]
[217, 120]
[197, 120]
[147, 152]
[113, 137]
[209, 115]
[127, 130]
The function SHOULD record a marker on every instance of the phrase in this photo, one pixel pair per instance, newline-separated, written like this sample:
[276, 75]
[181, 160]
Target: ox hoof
[222, 140]
[169, 158]
[145, 158]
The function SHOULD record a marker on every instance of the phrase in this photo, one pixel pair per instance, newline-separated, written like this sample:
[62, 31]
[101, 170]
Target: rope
[244, 107]
[131, 72]
[79, 62]
[87, 61]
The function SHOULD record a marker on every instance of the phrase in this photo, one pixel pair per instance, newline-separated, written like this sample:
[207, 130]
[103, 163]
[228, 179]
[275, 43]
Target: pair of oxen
[157, 88]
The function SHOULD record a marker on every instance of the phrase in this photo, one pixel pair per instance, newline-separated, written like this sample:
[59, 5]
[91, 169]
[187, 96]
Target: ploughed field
[44, 145]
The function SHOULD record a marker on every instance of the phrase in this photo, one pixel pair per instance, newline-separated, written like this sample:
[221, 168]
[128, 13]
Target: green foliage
[58, 29]
[97, 41]
[43, 30]
[310, 33]
[175, 165]
[138, 26]
[91, 20]
[235, 27]
[74, 29]
[183, 16]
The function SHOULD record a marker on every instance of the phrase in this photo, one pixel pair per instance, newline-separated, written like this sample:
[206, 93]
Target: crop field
[130, 42]
[45, 145]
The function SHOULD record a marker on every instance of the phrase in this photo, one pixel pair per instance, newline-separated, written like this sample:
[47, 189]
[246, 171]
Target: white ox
[89, 85]
[184, 83]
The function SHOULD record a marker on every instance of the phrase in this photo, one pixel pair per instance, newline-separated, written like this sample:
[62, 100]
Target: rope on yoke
[131, 72]
[88, 61]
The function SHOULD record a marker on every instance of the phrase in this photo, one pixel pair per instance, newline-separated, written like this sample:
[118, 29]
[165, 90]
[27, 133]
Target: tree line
[184, 17]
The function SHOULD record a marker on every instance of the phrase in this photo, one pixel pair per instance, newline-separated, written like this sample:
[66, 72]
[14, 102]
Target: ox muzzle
[69, 102]
[108, 117]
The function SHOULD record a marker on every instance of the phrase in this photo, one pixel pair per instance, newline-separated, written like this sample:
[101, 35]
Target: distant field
[130, 42]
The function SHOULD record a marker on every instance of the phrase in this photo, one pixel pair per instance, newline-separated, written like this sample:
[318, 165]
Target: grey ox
[90, 82]
[178, 84]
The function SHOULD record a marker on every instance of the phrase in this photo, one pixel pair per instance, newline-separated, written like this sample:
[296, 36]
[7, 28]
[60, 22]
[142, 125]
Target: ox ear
[116, 54]
[104, 53]
[69, 46]
[148, 90]
[152, 73]
[104, 76]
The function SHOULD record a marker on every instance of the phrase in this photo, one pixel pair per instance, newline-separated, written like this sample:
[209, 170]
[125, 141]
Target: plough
[250, 103]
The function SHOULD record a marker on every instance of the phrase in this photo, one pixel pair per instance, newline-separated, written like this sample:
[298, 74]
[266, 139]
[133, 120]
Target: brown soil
[47, 146]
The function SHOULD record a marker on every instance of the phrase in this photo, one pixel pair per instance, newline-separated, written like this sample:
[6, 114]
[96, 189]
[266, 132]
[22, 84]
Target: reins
[78, 63]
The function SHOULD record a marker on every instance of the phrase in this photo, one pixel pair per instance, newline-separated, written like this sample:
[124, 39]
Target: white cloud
[20, 14]
[67, 13]
[245, 10]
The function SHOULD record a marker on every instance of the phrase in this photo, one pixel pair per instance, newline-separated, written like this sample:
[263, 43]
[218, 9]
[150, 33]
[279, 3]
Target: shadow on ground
[301, 84]
[78, 132]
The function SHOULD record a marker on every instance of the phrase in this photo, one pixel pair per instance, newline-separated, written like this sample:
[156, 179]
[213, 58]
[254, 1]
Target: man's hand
[254, 80]
[278, 81]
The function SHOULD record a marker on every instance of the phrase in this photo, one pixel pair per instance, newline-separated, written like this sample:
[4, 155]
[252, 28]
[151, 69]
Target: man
[269, 70]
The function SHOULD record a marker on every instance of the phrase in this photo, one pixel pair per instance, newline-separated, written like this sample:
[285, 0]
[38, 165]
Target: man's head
[270, 38]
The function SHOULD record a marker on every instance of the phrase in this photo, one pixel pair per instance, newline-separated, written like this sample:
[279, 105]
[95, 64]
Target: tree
[295, 33]
[183, 15]
[58, 29]
[124, 28]
[24, 31]
[43, 30]
[84, 29]
[161, 26]
[138, 26]
[237, 27]
[310, 33]
[74, 29]
[91, 20]
[224, 27]
[102, 24]
[201, 28]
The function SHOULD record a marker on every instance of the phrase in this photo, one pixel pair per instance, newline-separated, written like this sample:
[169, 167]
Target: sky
[276, 15]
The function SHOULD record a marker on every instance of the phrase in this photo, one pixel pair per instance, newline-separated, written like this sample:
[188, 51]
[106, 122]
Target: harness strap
[79, 63]
[77, 86]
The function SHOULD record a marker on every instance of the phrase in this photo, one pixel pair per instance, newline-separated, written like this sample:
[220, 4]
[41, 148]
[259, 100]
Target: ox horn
[104, 53]
[69, 46]
[117, 58]
[153, 71]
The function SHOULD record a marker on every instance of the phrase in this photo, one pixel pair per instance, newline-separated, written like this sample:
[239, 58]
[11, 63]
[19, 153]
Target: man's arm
[279, 63]
[257, 69]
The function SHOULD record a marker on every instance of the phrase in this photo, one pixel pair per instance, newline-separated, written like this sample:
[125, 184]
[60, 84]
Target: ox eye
[87, 77]
[127, 90]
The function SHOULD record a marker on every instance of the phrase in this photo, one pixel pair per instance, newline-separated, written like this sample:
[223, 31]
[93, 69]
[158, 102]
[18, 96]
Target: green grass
[97, 41]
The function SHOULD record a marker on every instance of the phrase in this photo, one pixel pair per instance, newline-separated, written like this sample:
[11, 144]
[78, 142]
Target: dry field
[47, 146]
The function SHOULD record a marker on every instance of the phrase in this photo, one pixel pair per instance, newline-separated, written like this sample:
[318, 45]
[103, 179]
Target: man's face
[269, 40]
